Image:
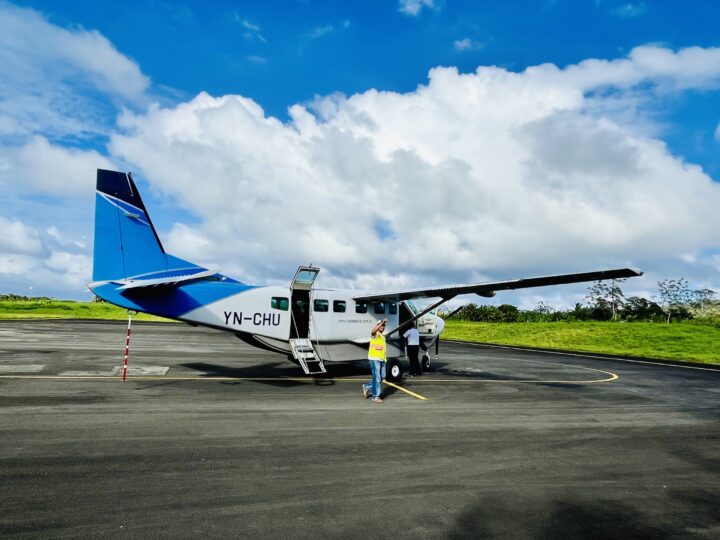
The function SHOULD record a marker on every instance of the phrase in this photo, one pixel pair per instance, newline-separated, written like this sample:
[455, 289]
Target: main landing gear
[393, 370]
[425, 362]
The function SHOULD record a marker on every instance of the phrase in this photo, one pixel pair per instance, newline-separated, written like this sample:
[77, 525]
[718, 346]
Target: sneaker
[377, 400]
[366, 392]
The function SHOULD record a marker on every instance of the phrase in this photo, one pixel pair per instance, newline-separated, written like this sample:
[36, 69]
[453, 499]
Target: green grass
[677, 341]
[66, 309]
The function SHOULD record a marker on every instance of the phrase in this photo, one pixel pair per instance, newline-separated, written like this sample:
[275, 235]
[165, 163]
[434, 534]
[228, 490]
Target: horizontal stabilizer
[168, 281]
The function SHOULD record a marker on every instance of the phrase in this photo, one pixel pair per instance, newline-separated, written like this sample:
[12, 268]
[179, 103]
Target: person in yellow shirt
[377, 356]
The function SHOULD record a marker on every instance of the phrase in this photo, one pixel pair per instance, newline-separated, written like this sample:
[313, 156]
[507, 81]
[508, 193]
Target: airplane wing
[489, 288]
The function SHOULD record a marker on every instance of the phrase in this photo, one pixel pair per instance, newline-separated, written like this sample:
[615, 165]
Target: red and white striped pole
[127, 347]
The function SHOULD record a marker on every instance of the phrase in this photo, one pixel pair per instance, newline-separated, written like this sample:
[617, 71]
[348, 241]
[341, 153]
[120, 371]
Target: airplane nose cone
[439, 324]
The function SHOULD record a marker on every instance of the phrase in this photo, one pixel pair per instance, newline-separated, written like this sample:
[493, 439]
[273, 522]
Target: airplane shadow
[280, 374]
[272, 374]
[283, 374]
[443, 369]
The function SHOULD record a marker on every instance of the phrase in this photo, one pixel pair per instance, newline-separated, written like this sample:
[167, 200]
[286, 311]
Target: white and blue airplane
[311, 325]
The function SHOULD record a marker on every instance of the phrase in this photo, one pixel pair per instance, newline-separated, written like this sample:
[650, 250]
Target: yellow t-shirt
[378, 347]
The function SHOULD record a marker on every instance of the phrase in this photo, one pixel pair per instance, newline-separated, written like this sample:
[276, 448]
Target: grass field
[66, 309]
[678, 341]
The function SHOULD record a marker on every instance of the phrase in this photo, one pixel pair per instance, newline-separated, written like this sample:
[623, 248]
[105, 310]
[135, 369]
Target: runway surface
[210, 437]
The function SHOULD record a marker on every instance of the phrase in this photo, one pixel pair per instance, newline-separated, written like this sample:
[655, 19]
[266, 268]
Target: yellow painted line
[496, 381]
[413, 394]
[114, 378]
[583, 355]
[612, 377]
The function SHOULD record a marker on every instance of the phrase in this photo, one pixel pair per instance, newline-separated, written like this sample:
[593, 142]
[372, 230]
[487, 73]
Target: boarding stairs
[304, 352]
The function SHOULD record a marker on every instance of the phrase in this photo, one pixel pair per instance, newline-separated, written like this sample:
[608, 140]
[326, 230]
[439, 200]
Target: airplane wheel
[393, 370]
[425, 363]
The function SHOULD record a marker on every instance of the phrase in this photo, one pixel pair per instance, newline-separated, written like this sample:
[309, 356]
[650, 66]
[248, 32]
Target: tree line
[606, 301]
[21, 298]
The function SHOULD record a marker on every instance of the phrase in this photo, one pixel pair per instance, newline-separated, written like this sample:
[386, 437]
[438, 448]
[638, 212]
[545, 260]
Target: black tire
[393, 370]
[425, 363]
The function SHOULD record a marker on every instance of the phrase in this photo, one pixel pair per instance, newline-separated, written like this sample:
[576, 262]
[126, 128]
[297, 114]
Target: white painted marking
[87, 374]
[142, 370]
[25, 368]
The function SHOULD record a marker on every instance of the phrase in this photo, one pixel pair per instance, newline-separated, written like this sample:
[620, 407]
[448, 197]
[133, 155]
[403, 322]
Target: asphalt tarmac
[211, 438]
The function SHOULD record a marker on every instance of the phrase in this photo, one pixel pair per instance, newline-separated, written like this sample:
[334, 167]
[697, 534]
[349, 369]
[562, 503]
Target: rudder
[126, 243]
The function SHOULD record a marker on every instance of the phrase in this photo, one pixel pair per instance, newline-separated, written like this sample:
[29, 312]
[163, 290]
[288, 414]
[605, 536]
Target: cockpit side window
[412, 306]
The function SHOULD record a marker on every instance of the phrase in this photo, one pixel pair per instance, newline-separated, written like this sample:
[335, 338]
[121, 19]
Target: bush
[641, 309]
[634, 309]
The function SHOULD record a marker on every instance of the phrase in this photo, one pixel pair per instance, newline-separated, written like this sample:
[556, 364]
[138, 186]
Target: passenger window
[280, 303]
[339, 306]
[379, 308]
[360, 307]
[393, 309]
[321, 306]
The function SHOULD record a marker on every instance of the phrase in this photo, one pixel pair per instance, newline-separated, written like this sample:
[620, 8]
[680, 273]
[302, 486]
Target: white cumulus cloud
[49, 73]
[59, 87]
[471, 176]
[414, 7]
[629, 10]
[466, 44]
[43, 261]
[40, 167]
[18, 239]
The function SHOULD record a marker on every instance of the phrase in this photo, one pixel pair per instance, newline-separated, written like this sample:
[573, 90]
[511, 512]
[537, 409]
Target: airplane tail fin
[126, 243]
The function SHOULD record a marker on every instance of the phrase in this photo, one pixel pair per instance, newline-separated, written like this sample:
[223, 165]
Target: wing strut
[416, 317]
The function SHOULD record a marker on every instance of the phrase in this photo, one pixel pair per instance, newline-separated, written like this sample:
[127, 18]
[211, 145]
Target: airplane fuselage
[269, 316]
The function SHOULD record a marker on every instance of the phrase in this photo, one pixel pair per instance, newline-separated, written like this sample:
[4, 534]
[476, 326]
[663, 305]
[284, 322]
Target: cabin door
[300, 301]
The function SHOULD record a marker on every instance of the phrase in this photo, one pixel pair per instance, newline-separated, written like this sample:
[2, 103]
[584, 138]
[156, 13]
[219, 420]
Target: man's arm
[377, 327]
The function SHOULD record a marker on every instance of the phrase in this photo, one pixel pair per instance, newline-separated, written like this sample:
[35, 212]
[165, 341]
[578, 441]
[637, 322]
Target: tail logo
[129, 210]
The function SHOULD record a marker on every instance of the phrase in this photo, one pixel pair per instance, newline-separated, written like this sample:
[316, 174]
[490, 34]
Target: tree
[701, 298]
[580, 313]
[508, 313]
[606, 295]
[673, 295]
[543, 310]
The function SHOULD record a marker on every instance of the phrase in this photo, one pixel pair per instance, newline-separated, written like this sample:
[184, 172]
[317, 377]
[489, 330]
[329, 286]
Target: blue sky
[68, 104]
[300, 49]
